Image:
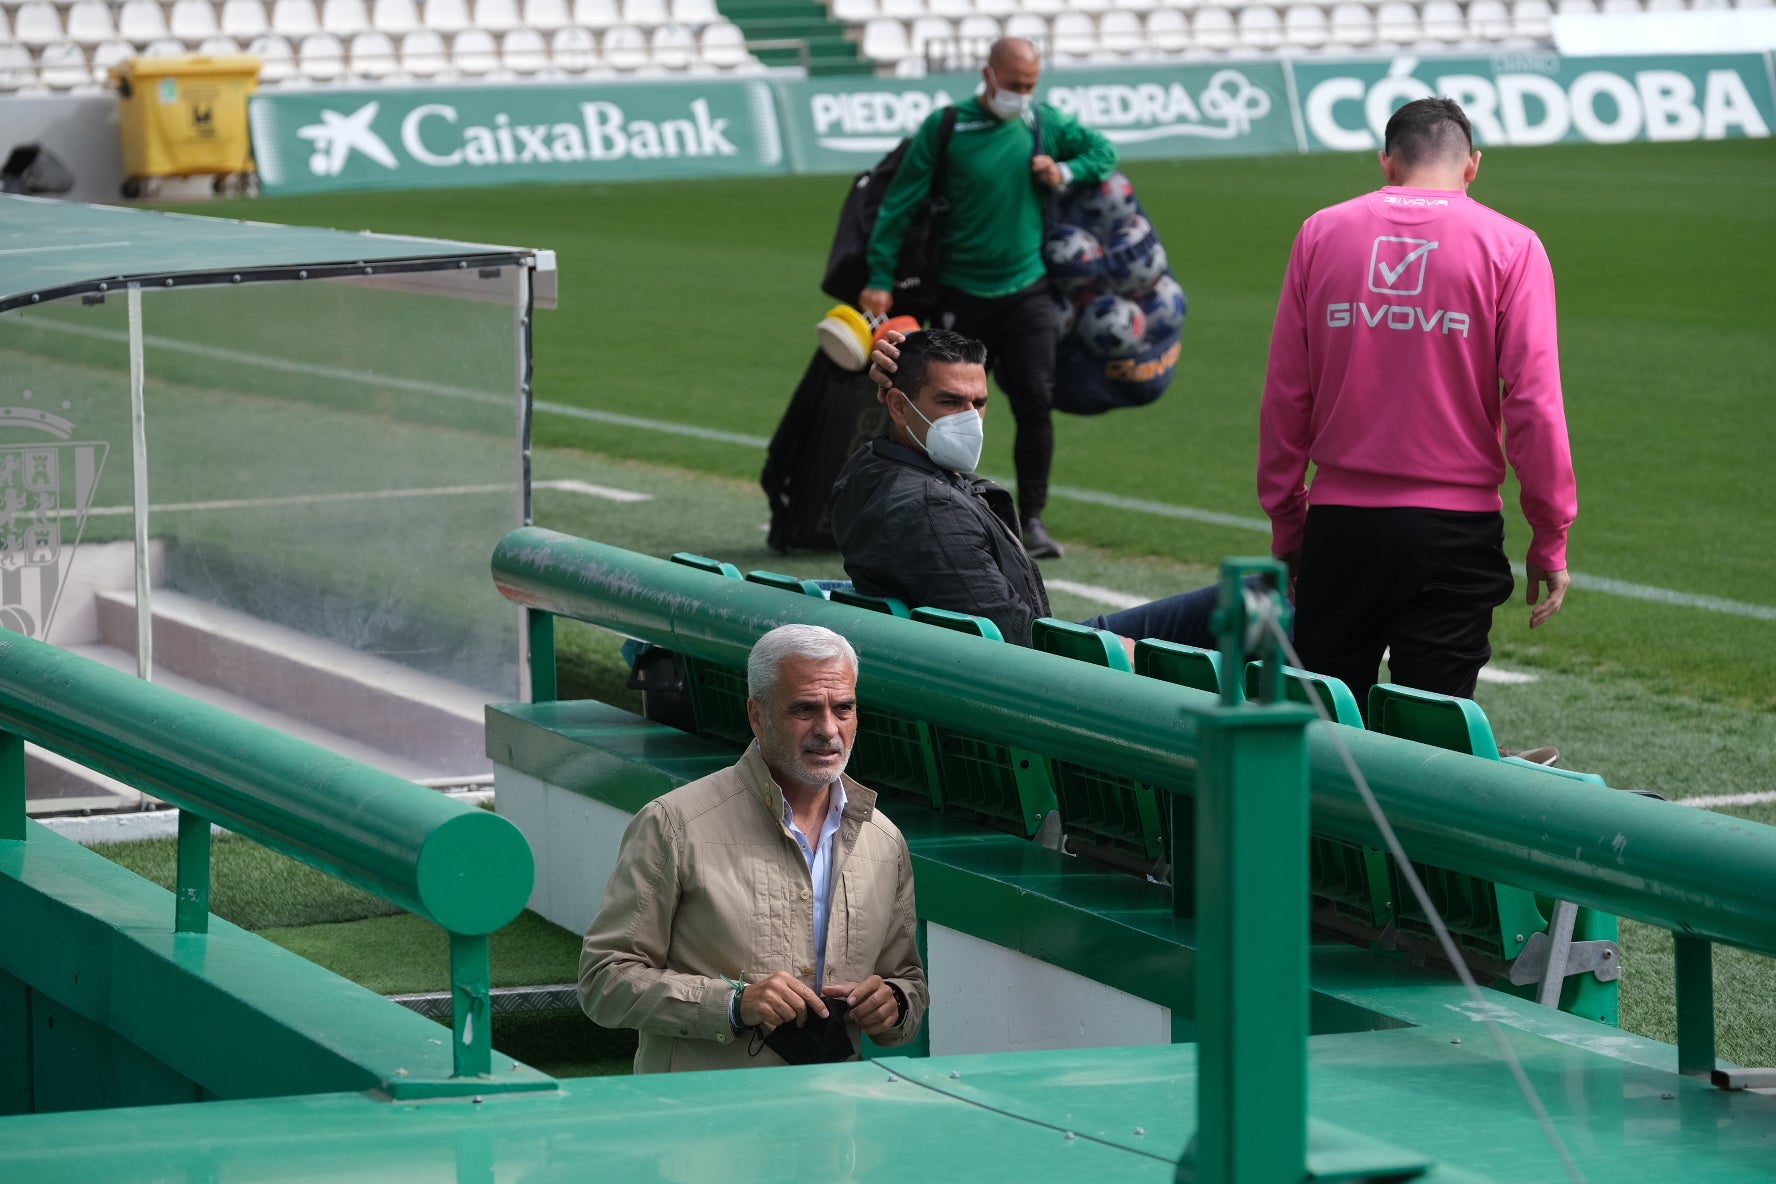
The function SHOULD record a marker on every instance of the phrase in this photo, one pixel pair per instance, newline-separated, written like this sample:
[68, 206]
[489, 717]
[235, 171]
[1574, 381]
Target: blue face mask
[954, 441]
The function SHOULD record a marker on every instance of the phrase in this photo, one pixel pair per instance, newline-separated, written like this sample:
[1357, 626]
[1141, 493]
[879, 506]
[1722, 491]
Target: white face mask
[1005, 104]
[954, 441]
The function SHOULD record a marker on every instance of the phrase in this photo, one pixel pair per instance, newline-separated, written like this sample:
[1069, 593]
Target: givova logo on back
[431, 136]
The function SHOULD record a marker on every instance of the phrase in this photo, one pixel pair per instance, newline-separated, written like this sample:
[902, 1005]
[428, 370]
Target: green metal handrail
[1701, 875]
[466, 869]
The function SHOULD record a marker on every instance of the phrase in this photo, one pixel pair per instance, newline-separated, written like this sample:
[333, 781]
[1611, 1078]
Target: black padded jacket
[911, 530]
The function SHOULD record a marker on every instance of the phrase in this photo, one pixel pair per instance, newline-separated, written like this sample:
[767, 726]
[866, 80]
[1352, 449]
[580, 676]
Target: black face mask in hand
[818, 1041]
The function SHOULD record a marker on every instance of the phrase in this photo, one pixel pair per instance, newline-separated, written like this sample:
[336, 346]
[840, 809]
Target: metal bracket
[1601, 958]
[1744, 1078]
[1049, 834]
[439, 1004]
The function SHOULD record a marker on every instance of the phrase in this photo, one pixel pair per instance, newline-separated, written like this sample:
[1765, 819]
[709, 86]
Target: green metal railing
[1706, 877]
[465, 869]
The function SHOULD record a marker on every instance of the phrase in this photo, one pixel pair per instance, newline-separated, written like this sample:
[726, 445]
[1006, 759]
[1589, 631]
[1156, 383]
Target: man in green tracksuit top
[992, 284]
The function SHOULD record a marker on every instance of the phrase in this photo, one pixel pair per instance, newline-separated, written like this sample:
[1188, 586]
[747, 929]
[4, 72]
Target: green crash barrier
[1700, 874]
[466, 869]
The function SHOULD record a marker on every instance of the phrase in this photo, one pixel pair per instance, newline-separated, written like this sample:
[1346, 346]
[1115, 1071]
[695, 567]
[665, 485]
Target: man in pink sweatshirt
[1414, 324]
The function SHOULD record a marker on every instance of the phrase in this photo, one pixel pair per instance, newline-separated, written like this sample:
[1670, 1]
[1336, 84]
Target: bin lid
[191, 65]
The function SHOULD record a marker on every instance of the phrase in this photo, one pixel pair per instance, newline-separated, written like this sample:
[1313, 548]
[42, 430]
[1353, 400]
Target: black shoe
[1038, 543]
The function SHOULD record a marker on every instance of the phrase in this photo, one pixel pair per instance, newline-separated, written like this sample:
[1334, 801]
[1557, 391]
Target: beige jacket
[710, 883]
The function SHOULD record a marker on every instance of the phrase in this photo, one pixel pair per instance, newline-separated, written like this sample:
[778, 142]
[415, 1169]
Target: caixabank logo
[495, 135]
[1525, 99]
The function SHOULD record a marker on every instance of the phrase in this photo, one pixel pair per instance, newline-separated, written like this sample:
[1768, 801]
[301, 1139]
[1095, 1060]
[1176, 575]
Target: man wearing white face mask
[914, 521]
[993, 285]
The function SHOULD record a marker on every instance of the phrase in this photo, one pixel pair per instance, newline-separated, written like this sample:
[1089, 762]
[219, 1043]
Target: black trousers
[1421, 583]
[1019, 333]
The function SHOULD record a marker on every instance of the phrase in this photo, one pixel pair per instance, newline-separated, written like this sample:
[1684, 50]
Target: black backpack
[915, 280]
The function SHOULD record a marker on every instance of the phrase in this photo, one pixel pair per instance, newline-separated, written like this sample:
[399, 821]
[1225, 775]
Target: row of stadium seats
[859, 11]
[421, 54]
[1161, 31]
[38, 23]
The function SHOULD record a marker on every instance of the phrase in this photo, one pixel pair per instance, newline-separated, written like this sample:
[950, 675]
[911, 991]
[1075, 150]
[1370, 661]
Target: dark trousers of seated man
[1420, 584]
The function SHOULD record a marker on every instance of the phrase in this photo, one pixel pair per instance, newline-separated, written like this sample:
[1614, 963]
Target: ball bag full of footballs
[1118, 307]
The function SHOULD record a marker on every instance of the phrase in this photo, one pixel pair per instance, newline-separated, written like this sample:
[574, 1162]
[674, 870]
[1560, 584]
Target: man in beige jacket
[746, 899]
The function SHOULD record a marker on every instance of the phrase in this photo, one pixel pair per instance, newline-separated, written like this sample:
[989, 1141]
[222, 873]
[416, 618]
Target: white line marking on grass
[1716, 801]
[368, 495]
[1107, 596]
[61, 247]
[1505, 677]
[1614, 587]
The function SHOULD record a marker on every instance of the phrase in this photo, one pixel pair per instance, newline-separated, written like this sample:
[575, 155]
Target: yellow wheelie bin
[185, 117]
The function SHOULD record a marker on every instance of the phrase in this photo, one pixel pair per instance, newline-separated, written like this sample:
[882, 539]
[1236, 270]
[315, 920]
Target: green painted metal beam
[469, 870]
[1684, 870]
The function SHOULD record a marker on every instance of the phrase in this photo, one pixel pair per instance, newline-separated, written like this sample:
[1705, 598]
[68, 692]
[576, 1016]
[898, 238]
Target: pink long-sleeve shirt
[1413, 325]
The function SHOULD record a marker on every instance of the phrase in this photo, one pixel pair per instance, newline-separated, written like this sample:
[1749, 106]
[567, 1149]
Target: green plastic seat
[943, 618]
[776, 579]
[875, 604]
[1174, 662]
[703, 563]
[1082, 643]
[1331, 692]
[1443, 721]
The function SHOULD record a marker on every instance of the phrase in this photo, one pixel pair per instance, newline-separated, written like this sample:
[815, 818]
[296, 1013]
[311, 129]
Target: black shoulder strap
[1035, 130]
[946, 128]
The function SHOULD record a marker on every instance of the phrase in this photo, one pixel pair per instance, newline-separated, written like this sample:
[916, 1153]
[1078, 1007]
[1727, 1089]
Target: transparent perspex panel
[330, 463]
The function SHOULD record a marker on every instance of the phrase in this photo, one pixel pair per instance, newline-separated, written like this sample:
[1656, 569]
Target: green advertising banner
[306, 141]
[1534, 97]
[843, 125]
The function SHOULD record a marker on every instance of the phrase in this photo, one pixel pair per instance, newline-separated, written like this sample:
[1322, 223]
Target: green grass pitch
[694, 303]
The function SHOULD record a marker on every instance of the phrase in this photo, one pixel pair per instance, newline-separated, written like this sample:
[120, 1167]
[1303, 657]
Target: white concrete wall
[574, 838]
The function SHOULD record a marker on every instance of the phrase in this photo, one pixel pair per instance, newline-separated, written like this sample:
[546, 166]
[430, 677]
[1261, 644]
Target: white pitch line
[60, 247]
[1605, 584]
[1716, 801]
[368, 495]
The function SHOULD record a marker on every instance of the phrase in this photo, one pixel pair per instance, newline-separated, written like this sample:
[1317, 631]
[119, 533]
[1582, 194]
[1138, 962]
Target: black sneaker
[1037, 541]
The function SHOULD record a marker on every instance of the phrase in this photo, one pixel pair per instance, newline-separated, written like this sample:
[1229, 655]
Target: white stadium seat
[596, 14]
[975, 33]
[1089, 5]
[1139, 7]
[953, 10]
[192, 20]
[1214, 29]
[625, 48]
[62, 66]
[1027, 25]
[673, 47]
[422, 54]
[1699, 6]
[345, 18]
[1396, 23]
[397, 18]
[574, 50]
[90, 23]
[524, 51]
[295, 18]
[1074, 34]
[903, 10]
[37, 24]
[1048, 8]
[141, 21]
[497, 16]
[645, 14]
[1576, 8]
[105, 56]
[1120, 31]
[166, 47]
[373, 55]
[926, 30]
[1352, 24]
[1756, 3]
[1168, 30]
[17, 70]
[474, 52]
[218, 46]
[440, 16]
[546, 16]
[1260, 27]
[723, 45]
[321, 57]
[884, 40]
[854, 12]
[1620, 8]
[996, 8]
[1443, 20]
[1304, 25]
[1673, 5]
[276, 61]
[1489, 20]
[694, 14]
[244, 19]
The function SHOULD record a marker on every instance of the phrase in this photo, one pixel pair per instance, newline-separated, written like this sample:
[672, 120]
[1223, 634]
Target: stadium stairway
[830, 51]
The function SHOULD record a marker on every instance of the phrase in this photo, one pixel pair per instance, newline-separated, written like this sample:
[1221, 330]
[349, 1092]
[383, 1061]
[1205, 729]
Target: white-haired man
[749, 899]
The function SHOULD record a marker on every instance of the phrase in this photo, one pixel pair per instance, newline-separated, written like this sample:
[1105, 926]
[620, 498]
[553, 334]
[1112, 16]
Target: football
[1066, 314]
[1104, 208]
[1134, 260]
[1164, 309]
[1074, 256]
[1112, 327]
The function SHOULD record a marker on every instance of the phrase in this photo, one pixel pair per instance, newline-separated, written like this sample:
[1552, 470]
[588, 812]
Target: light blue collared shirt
[820, 868]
